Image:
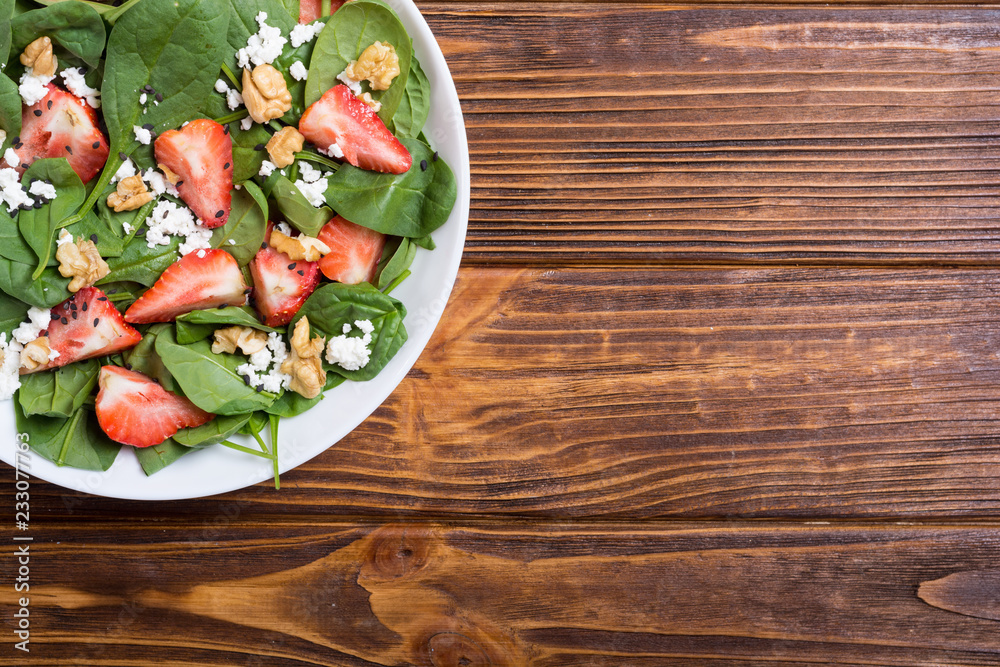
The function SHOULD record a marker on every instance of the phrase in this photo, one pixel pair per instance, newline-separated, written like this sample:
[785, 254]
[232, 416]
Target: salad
[206, 207]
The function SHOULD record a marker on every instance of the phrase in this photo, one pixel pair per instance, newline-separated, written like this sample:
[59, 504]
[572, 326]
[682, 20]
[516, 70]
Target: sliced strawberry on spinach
[134, 410]
[281, 285]
[201, 279]
[62, 125]
[354, 251]
[201, 154]
[338, 117]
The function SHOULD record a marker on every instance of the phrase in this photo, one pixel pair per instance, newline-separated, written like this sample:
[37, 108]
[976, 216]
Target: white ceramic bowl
[425, 293]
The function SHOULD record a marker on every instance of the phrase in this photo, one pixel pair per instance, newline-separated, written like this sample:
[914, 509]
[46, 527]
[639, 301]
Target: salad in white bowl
[226, 234]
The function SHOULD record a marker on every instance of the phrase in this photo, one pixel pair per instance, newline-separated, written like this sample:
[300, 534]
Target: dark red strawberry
[340, 117]
[62, 125]
[310, 10]
[281, 285]
[134, 410]
[191, 283]
[354, 251]
[201, 154]
[84, 326]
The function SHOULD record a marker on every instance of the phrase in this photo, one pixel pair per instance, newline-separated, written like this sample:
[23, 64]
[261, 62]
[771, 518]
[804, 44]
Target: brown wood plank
[669, 392]
[619, 132]
[528, 594]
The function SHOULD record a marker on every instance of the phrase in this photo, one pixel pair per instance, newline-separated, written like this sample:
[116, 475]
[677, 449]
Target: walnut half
[298, 248]
[130, 195]
[81, 261]
[265, 93]
[35, 354]
[283, 146]
[304, 363]
[39, 59]
[378, 63]
[246, 339]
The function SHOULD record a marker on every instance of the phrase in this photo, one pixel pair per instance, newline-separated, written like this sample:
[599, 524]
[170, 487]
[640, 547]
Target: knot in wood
[396, 552]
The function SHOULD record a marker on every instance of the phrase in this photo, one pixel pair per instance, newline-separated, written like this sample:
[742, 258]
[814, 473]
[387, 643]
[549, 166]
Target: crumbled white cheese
[142, 135]
[333, 150]
[263, 369]
[11, 158]
[351, 352]
[221, 86]
[314, 192]
[283, 228]
[233, 99]
[246, 123]
[201, 253]
[33, 88]
[77, 84]
[309, 173]
[64, 238]
[305, 33]
[169, 219]
[263, 47]
[38, 321]
[355, 86]
[127, 169]
[266, 168]
[10, 380]
[12, 192]
[42, 189]
[53, 354]
[298, 71]
[158, 183]
[142, 100]
[127, 227]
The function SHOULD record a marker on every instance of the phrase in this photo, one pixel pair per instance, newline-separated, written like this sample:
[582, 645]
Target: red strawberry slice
[310, 10]
[340, 117]
[134, 410]
[62, 125]
[84, 326]
[281, 285]
[191, 283]
[201, 153]
[354, 251]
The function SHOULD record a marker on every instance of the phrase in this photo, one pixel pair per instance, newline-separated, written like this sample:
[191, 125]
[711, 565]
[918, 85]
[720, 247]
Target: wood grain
[478, 594]
[634, 393]
[625, 133]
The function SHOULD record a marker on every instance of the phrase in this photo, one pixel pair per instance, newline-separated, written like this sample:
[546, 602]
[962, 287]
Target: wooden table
[717, 385]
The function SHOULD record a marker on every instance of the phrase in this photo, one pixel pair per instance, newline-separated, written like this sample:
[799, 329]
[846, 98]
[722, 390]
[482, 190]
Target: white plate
[425, 293]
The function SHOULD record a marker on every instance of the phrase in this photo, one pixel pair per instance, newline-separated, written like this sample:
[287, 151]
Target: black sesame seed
[291, 266]
[69, 150]
[435, 156]
[226, 166]
[159, 97]
[53, 316]
[301, 272]
[223, 306]
[38, 204]
[93, 237]
[248, 290]
[423, 165]
[18, 144]
[259, 389]
[263, 245]
[148, 88]
[16, 139]
[84, 306]
[219, 213]
[96, 321]
[38, 112]
[113, 291]
[259, 147]
[64, 320]
[156, 380]
[25, 165]
[122, 156]
[148, 126]
[102, 298]
[96, 145]
[49, 105]
[178, 184]
[246, 379]
[128, 367]
[72, 305]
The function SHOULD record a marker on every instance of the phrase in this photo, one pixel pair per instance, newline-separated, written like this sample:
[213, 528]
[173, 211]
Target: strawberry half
[201, 153]
[191, 283]
[354, 251]
[84, 326]
[340, 117]
[134, 410]
[281, 285]
[62, 125]
[310, 10]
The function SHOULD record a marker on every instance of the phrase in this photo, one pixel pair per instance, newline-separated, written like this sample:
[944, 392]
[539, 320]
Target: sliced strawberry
[191, 283]
[281, 285]
[340, 117]
[62, 125]
[310, 10]
[201, 153]
[354, 251]
[134, 410]
[84, 326]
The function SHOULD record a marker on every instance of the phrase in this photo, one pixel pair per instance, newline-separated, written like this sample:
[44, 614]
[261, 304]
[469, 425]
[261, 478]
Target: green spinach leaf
[399, 260]
[156, 458]
[199, 324]
[221, 428]
[296, 209]
[39, 225]
[12, 313]
[246, 158]
[50, 289]
[59, 392]
[143, 358]
[12, 244]
[243, 23]
[141, 264]
[92, 227]
[415, 105]
[75, 28]
[77, 442]
[290, 403]
[10, 109]
[243, 233]
[6, 13]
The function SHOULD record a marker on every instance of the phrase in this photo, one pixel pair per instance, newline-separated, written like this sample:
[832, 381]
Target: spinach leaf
[246, 158]
[199, 324]
[290, 403]
[12, 313]
[6, 13]
[210, 380]
[75, 28]
[333, 305]
[92, 227]
[415, 105]
[123, 293]
[412, 204]
[156, 458]
[50, 289]
[399, 260]
[12, 244]
[101, 9]
[296, 209]
[292, 7]
[221, 428]
[352, 29]
[243, 23]
[297, 89]
[143, 358]
[258, 421]
[77, 442]
[39, 225]
[176, 48]
[141, 264]
[243, 233]
[59, 392]
[10, 109]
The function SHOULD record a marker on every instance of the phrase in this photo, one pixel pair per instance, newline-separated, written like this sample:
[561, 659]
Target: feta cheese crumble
[355, 86]
[38, 321]
[313, 184]
[64, 238]
[42, 189]
[127, 169]
[246, 123]
[263, 47]
[351, 352]
[168, 219]
[333, 150]
[262, 371]
[77, 84]
[33, 88]
[266, 168]
[12, 192]
[305, 33]
[11, 158]
[233, 99]
[298, 71]
[10, 380]
[142, 135]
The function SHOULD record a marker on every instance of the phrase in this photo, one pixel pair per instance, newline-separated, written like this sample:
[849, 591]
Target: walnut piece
[378, 63]
[131, 194]
[38, 57]
[246, 339]
[265, 93]
[36, 353]
[304, 363]
[81, 261]
[283, 146]
[298, 248]
[169, 175]
[367, 99]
